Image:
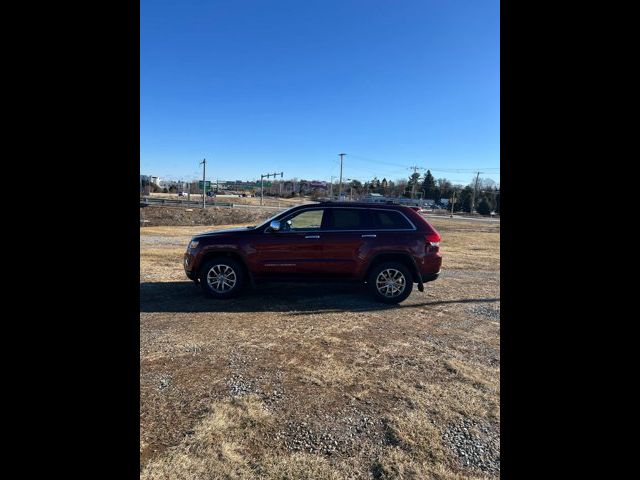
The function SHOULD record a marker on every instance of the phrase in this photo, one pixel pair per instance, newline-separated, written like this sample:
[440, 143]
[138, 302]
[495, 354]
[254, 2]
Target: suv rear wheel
[390, 282]
[222, 278]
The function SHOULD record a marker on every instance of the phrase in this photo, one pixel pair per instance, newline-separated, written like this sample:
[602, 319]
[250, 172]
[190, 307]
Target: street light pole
[340, 188]
[204, 185]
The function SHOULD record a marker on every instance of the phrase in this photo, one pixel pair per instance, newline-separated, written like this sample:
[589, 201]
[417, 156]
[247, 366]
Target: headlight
[193, 244]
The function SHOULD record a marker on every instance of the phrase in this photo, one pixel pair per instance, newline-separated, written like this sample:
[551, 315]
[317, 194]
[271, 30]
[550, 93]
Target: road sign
[207, 185]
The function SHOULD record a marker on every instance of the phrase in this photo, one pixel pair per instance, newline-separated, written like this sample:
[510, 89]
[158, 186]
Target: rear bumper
[429, 277]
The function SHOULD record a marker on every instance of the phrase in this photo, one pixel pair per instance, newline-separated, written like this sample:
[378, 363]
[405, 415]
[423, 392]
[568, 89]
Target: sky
[259, 86]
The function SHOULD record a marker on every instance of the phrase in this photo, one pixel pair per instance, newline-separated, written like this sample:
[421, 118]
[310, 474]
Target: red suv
[388, 247]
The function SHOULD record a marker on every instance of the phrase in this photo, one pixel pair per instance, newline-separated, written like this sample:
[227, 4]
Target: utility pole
[453, 201]
[262, 177]
[204, 166]
[413, 187]
[340, 188]
[475, 190]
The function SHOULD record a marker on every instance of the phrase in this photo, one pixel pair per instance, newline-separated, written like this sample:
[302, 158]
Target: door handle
[312, 236]
[373, 235]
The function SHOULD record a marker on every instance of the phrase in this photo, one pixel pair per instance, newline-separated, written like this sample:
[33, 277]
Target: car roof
[390, 206]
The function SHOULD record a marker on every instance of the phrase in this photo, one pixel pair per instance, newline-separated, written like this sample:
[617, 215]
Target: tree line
[485, 190]
[481, 194]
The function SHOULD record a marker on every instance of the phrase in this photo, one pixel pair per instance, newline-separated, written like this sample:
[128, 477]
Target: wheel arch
[224, 254]
[401, 257]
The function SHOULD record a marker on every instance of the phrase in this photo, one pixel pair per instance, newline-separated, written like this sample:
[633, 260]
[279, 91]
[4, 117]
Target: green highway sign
[207, 185]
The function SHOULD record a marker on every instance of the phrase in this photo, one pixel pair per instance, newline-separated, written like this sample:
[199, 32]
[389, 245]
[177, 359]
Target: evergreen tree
[429, 186]
[483, 207]
[466, 198]
[413, 182]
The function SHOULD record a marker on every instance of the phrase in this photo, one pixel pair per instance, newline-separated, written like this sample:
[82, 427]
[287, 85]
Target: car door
[294, 250]
[394, 231]
[347, 240]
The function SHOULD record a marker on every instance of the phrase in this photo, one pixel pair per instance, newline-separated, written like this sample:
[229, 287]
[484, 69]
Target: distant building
[318, 184]
[376, 198]
[150, 179]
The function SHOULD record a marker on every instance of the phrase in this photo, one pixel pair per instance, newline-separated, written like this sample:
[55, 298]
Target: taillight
[433, 239]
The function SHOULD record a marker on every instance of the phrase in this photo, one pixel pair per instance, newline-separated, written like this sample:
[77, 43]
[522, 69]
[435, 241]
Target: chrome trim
[379, 230]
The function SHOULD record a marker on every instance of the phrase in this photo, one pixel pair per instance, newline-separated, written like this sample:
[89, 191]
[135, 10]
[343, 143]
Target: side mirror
[274, 225]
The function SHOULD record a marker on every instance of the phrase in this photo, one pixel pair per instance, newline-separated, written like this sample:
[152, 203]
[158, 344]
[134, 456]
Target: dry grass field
[319, 381]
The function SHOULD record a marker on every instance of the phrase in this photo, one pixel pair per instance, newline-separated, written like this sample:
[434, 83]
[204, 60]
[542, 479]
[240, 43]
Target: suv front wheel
[222, 278]
[390, 282]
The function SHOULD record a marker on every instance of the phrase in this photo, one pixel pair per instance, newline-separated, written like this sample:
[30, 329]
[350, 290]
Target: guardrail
[195, 203]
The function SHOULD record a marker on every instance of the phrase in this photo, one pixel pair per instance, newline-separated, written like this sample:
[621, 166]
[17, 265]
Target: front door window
[306, 220]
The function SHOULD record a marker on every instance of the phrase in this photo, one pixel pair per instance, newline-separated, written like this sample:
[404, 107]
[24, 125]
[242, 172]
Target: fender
[214, 250]
[413, 266]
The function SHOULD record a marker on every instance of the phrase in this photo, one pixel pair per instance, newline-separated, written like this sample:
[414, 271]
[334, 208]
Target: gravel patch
[475, 445]
[238, 385]
[161, 240]
[340, 434]
[267, 386]
[461, 273]
[161, 381]
[485, 311]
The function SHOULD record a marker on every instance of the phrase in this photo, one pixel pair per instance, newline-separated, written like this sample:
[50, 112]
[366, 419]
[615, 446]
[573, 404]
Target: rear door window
[347, 219]
[390, 220]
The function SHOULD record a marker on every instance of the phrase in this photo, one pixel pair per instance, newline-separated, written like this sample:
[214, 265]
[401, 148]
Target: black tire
[219, 267]
[402, 272]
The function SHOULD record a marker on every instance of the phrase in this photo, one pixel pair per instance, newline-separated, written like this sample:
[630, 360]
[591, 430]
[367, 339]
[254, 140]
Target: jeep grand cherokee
[387, 247]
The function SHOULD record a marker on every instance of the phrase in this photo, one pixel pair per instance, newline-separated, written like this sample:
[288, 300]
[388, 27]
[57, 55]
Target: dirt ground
[213, 217]
[319, 381]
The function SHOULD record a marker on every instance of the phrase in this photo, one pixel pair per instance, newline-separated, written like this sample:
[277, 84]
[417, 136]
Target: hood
[224, 231]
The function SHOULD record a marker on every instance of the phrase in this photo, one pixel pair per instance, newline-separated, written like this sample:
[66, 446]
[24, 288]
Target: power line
[436, 169]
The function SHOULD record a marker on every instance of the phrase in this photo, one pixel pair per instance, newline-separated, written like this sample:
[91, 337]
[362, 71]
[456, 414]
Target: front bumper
[187, 263]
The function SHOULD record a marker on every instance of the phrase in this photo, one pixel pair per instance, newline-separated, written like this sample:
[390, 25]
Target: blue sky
[258, 86]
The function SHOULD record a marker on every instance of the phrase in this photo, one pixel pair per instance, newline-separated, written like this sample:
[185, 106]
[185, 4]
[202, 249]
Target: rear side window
[347, 219]
[390, 220]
